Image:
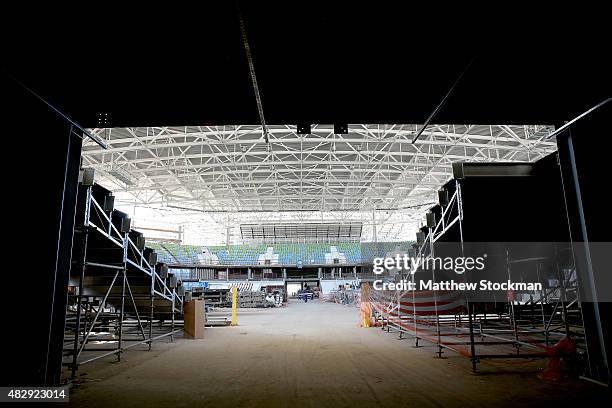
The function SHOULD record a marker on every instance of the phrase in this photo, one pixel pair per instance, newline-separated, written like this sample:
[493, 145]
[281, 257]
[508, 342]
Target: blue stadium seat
[288, 254]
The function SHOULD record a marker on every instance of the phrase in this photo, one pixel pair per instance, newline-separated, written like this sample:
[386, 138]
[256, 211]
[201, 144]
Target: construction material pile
[276, 298]
[254, 299]
[213, 297]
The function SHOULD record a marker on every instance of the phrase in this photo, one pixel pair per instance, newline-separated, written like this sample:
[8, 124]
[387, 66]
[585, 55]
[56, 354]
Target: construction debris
[258, 299]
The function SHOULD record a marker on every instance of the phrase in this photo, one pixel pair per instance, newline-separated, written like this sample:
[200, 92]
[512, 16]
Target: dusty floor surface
[314, 355]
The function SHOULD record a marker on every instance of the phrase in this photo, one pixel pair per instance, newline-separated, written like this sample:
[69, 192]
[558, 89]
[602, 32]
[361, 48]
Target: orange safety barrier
[565, 348]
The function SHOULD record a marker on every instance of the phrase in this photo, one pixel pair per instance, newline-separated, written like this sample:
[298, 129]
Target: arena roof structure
[301, 232]
[373, 173]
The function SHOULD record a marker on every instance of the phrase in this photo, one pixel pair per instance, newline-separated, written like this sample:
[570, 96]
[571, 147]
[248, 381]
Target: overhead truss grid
[301, 232]
[234, 168]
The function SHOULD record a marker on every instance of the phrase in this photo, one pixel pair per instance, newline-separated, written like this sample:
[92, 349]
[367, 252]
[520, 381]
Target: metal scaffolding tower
[119, 296]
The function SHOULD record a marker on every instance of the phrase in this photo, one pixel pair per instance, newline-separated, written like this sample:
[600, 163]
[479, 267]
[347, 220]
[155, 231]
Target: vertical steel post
[123, 284]
[151, 323]
[414, 314]
[470, 306]
[50, 361]
[83, 266]
[121, 316]
[589, 263]
[173, 309]
[399, 314]
[433, 277]
[563, 295]
[512, 311]
[542, 307]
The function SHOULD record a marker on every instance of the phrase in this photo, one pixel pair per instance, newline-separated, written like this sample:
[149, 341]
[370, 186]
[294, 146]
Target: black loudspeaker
[109, 203]
[86, 177]
[150, 256]
[303, 129]
[172, 281]
[126, 223]
[420, 236]
[161, 269]
[431, 219]
[443, 198]
[458, 170]
[140, 242]
[340, 128]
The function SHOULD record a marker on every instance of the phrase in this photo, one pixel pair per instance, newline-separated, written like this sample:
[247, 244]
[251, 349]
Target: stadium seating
[288, 254]
[244, 254]
[351, 251]
[315, 253]
[162, 253]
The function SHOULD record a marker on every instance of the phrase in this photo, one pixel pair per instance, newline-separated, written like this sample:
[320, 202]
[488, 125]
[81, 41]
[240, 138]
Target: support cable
[577, 118]
[249, 57]
[442, 102]
[93, 137]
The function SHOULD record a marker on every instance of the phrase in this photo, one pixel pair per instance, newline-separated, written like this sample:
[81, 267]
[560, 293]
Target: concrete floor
[315, 355]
